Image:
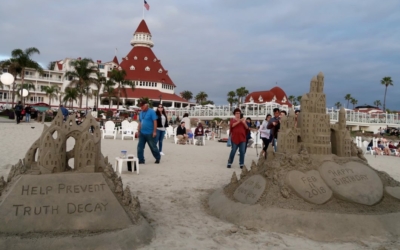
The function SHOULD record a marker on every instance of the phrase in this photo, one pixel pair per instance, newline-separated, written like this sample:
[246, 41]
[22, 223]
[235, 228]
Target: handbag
[23, 112]
[229, 142]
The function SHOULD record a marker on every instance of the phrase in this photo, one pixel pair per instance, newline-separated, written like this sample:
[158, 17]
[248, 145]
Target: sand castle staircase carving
[48, 154]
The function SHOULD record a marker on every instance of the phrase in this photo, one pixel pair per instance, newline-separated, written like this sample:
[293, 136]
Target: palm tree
[146, 99]
[241, 92]
[231, 98]
[348, 98]
[51, 92]
[386, 81]
[70, 95]
[81, 78]
[353, 101]
[19, 61]
[292, 100]
[201, 97]
[28, 86]
[109, 91]
[119, 77]
[298, 98]
[187, 95]
[99, 82]
[377, 103]
[338, 105]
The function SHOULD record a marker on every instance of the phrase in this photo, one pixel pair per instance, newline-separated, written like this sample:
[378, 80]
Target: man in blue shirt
[147, 131]
[64, 112]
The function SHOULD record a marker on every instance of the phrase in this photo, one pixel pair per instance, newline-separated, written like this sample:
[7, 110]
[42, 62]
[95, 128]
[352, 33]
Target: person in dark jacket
[28, 113]
[181, 133]
[199, 134]
[18, 109]
[162, 124]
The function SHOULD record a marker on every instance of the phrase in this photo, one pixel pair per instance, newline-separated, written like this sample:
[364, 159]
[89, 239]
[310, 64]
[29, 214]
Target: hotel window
[59, 77]
[145, 58]
[155, 59]
[132, 67]
[135, 58]
[160, 71]
[5, 70]
[101, 66]
[147, 68]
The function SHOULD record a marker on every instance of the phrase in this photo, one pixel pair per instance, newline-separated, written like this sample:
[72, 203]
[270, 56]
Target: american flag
[146, 5]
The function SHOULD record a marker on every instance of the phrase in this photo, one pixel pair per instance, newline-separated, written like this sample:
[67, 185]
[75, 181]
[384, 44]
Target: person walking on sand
[147, 131]
[238, 129]
[28, 113]
[18, 109]
[162, 123]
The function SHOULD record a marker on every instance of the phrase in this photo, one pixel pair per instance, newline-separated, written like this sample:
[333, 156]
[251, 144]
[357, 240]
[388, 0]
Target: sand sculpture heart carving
[250, 191]
[353, 181]
[309, 186]
[393, 191]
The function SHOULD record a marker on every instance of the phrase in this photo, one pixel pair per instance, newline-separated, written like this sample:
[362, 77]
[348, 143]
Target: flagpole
[143, 10]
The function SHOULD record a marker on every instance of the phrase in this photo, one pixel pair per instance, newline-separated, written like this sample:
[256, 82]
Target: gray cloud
[219, 45]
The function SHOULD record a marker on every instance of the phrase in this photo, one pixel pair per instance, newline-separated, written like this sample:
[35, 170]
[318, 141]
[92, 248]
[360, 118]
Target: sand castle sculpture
[318, 184]
[90, 190]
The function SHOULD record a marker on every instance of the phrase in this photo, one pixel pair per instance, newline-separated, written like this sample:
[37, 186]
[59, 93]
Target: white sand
[172, 193]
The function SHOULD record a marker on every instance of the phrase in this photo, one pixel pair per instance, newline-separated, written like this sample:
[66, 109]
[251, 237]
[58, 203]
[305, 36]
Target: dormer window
[160, 71]
[126, 58]
[145, 58]
[132, 67]
[274, 99]
[284, 99]
[260, 99]
[119, 68]
[135, 58]
[147, 68]
[154, 60]
[251, 99]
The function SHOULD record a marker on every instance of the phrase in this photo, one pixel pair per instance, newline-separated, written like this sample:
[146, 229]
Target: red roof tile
[142, 28]
[139, 73]
[152, 94]
[59, 65]
[267, 96]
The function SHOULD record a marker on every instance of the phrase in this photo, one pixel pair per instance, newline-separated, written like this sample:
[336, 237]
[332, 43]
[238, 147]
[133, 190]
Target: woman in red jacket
[238, 131]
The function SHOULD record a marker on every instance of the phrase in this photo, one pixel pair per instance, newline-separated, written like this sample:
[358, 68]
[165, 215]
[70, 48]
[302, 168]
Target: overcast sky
[220, 45]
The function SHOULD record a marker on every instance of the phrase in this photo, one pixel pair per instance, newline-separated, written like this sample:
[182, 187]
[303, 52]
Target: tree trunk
[119, 94]
[384, 100]
[80, 100]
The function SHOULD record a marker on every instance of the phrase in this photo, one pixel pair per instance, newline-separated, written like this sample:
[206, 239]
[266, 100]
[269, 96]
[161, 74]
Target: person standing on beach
[265, 135]
[147, 131]
[28, 113]
[274, 126]
[162, 123]
[18, 109]
[238, 130]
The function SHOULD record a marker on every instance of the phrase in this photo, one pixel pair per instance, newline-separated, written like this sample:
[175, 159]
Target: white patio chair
[194, 138]
[123, 126]
[169, 131]
[257, 140]
[175, 138]
[129, 131]
[368, 150]
[109, 129]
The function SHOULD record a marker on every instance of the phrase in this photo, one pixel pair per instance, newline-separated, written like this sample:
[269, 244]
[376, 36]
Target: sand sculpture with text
[318, 184]
[44, 196]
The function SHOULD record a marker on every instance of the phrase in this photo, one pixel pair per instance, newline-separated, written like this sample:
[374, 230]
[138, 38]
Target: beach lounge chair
[129, 130]
[195, 140]
[109, 129]
[124, 123]
[169, 131]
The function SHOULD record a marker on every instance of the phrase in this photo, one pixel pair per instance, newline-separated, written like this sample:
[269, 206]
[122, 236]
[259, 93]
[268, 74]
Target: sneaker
[141, 162]
[241, 167]
[157, 161]
[161, 153]
[228, 166]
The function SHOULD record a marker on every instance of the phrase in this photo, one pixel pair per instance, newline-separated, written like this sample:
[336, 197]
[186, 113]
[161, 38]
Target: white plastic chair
[175, 138]
[123, 126]
[370, 150]
[169, 131]
[109, 129]
[129, 131]
[194, 138]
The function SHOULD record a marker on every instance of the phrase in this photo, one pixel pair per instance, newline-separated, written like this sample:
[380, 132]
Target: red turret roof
[142, 28]
[137, 58]
[115, 60]
[267, 96]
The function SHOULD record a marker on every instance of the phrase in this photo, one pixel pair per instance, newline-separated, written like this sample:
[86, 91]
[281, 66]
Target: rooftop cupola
[142, 36]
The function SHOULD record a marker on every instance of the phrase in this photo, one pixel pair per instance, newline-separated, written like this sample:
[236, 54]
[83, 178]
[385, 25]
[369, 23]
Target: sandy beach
[173, 194]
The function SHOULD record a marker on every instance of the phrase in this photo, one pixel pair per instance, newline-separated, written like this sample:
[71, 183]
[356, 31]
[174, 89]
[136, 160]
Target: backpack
[18, 108]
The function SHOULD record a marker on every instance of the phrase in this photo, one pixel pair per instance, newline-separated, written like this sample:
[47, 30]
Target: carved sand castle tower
[314, 131]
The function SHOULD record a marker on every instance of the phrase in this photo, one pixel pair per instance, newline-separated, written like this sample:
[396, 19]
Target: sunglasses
[160, 107]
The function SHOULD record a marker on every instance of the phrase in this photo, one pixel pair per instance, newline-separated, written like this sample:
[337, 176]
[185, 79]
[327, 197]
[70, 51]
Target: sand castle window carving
[147, 68]
[132, 67]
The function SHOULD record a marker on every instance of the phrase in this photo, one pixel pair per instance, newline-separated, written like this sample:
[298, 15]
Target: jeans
[159, 139]
[143, 138]
[18, 116]
[27, 117]
[241, 146]
[266, 143]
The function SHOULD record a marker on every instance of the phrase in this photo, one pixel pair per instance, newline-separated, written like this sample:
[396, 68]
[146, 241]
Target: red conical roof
[115, 60]
[142, 28]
